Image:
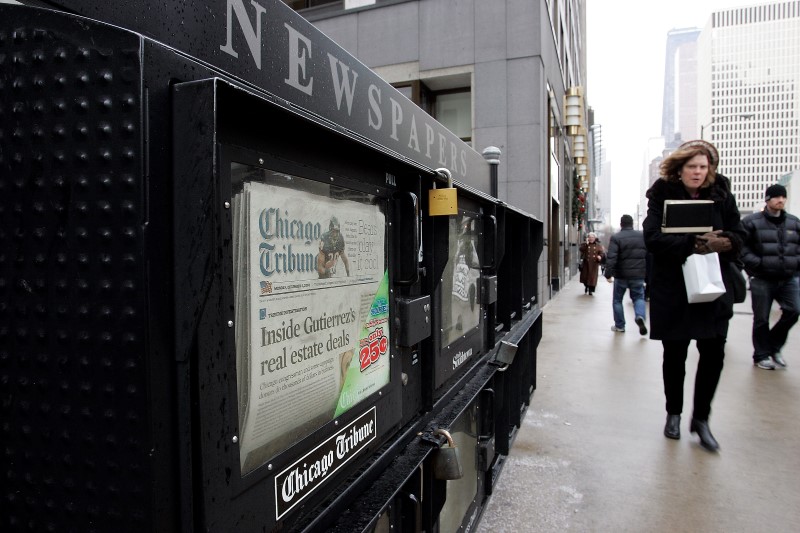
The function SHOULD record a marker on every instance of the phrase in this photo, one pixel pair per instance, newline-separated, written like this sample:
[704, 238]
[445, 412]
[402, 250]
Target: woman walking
[690, 173]
[592, 254]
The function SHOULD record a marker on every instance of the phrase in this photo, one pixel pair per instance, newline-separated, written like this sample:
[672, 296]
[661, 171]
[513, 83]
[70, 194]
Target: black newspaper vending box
[298, 243]
[227, 304]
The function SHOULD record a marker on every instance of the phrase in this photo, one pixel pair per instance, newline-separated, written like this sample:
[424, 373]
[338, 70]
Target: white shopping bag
[703, 278]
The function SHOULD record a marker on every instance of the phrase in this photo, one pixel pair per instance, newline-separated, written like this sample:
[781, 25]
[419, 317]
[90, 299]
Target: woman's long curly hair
[671, 166]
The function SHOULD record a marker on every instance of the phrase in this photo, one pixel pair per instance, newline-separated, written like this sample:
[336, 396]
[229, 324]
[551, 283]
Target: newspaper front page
[312, 313]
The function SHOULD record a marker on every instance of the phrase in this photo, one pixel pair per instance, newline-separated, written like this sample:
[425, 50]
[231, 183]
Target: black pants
[709, 368]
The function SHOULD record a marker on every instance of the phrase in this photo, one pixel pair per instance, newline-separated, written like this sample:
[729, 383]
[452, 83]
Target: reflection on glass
[454, 111]
[460, 290]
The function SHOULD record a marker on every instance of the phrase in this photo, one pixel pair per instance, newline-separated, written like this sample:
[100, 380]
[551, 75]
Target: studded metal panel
[72, 305]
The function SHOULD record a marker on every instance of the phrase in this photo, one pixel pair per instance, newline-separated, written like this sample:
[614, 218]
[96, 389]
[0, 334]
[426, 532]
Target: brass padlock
[443, 201]
[446, 460]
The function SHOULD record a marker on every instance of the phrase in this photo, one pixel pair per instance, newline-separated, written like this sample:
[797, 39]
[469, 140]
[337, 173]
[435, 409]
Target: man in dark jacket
[626, 263]
[771, 255]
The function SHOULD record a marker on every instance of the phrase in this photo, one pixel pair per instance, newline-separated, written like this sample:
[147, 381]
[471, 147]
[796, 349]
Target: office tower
[749, 96]
[680, 86]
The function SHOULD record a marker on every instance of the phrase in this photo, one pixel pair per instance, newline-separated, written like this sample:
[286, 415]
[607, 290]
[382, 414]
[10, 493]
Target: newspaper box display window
[312, 310]
[461, 340]
[461, 300]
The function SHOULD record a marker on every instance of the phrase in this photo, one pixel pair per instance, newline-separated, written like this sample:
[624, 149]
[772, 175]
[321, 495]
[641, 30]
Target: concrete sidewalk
[591, 455]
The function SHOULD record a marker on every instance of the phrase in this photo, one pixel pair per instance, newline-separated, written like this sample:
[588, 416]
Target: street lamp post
[744, 116]
[492, 156]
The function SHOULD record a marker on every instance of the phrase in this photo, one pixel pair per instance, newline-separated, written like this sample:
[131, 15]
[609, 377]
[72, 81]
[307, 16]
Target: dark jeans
[763, 292]
[709, 368]
[636, 288]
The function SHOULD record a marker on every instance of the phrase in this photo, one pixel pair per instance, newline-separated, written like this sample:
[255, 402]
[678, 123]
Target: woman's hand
[711, 242]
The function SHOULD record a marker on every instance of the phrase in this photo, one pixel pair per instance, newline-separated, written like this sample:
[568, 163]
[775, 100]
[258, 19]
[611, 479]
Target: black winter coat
[627, 255]
[772, 246]
[671, 316]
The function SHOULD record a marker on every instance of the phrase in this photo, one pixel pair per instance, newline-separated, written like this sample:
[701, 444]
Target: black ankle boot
[673, 428]
[707, 440]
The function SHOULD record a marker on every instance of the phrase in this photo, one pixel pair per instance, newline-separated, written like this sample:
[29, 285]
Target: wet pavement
[591, 455]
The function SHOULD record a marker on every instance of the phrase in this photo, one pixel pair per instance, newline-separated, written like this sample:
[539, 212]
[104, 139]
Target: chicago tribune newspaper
[311, 318]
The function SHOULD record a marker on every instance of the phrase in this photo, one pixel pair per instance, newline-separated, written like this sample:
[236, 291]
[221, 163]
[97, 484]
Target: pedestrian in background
[626, 264]
[771, 256]
[690, 172]
[592, 254]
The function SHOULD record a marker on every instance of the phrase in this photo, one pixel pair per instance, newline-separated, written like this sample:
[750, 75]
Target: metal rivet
[260, 161]
[227, 205]
[235, 439]
[269, 466]
[331, 178]
[335, 422]
[230, 323]
[380, 393]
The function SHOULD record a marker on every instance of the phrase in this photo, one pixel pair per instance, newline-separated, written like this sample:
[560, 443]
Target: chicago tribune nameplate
[305, 475]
